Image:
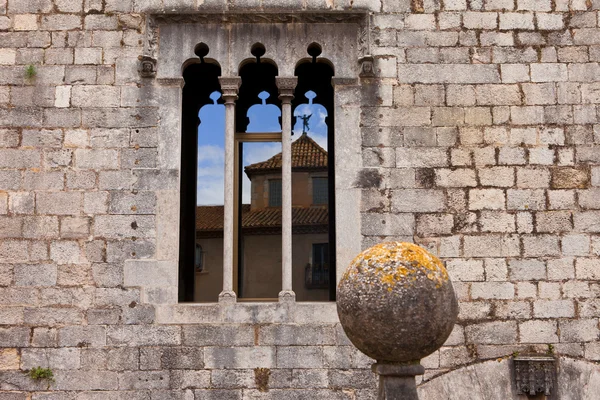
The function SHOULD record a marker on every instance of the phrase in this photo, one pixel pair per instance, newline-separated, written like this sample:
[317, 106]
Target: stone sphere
[396, 302]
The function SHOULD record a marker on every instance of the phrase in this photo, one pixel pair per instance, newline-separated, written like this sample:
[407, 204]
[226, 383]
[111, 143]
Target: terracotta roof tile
[210, 218]
[306, 153]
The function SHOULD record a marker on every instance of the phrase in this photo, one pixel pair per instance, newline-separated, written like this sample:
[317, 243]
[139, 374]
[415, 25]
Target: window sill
[248, 313]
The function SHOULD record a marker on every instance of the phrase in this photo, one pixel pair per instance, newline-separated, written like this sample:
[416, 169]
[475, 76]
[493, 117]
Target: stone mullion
[286, 94]
[229, 87]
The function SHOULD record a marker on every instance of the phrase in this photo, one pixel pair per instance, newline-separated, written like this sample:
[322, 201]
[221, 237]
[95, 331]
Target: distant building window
[317, 273]
[320, 190]
[199, 258]
[275, 193]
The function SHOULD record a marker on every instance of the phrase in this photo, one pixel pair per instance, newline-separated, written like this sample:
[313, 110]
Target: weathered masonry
[470, 127]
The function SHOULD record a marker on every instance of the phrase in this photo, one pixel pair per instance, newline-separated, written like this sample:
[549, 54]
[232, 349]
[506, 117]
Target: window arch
[315, 85]
[201, 79]
[310, 225]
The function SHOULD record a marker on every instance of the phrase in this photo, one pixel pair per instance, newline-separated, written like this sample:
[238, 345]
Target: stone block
[66, 252]
[587, 268]
[492, 221]
[493, 290]
[576, 290]
[123, 226]
[53, 316]
[418, 200]
[232, 379]
[299, 357]
[496, 176]
[35, 274]
[548, 72]
[560, 269]
[483, 156]
[511, 156]
[107, 275]
[149, 273]
[9, 359]
[454, 356]
[525, 199]
[553, 221]
[139, 314]
[465, 270]
[553, 309]
[219, 335]
[387, 224]
[531, 178]
[537, 331]
[448, 73]
[541, 156]
[84, 380]
[96, 159]
[486, 199]
[527, 269]
[540, 246]
[480, 20]
[378, 157]
[578, 331]
[58, 22]
[492, 333]
[243, 357]
[513, 310]
[12, 158]
[88, 55]
[434, 224]
[102, 316]
[93, 95]
[140, 335]
[586, 221]
[187, 379]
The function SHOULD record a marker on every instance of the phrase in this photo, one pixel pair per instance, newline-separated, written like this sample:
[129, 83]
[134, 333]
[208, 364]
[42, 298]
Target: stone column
[286, 94]
[229, 87]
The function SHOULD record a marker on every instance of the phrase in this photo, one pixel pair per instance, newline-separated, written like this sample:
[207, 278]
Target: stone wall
[480, 141]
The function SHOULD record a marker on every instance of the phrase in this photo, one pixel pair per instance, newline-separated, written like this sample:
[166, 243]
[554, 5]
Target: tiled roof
[210, 218]
[306, 154]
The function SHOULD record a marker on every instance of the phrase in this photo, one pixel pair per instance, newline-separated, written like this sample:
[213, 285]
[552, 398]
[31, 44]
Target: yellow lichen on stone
[392, 262]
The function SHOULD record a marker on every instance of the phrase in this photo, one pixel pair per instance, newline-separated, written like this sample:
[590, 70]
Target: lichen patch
[393, 263]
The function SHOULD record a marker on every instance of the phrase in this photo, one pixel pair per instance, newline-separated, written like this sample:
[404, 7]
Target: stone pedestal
[397, 305]
[397, 381]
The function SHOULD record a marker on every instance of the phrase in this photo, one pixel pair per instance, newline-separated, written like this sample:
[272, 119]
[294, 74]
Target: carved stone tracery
[534, 375]
[153, 30]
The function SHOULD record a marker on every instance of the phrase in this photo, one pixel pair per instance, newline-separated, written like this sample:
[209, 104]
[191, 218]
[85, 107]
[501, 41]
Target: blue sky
[211, 142]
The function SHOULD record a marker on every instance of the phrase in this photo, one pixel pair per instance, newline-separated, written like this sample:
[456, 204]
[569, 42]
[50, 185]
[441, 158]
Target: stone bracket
[534, 375]
[367, 68]
[147, 67]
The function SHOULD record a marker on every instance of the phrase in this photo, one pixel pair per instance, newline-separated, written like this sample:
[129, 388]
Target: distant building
[260, 261]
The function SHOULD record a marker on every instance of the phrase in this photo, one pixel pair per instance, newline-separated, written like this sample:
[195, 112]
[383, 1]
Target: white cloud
[210, 181]
[210, 192]
[210, 153]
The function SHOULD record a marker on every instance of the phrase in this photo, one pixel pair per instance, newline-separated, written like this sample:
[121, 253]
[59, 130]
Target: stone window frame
[171, 39]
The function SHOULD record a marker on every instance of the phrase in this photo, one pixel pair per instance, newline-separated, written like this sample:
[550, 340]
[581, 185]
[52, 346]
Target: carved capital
[147, 67]
[367, 68]
[230, 85]
[286, 86]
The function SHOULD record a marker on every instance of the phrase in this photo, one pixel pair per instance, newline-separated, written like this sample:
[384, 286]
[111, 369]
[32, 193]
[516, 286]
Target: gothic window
[250, 155]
